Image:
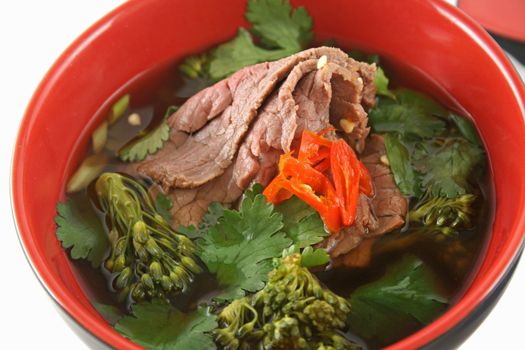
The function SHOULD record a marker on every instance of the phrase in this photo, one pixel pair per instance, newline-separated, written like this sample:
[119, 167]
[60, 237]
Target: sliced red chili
[275, 192]
[365, 181]
[335, 198]
[291, 167]
[346, 174]
[314, 148]
[326, 205]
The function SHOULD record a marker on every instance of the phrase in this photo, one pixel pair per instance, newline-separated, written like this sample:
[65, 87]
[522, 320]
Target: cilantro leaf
[147, 144]
[163, 204]
[311, 257]
[359, 55]
[467, 129]
[253, 191]
[420, 156]
[281, 31]
[411, 113]
[406, 295]
[446, 167]
[109, 312]
[228, 58]
[236, 280]
[150, 143]
[79, 228]
[301, 222]
[400, 164]
[212, 216]
[159, 326]
[240, 246]
[381, 82]
[278, 25]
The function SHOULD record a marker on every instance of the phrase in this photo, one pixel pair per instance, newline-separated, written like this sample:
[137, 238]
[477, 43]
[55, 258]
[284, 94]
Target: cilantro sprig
[423, 153]
[446, 164]
[432, 154]
[280, 29]
[239, 246]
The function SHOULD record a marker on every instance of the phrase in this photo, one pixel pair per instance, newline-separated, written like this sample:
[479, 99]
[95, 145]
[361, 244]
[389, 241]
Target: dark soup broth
[433, 255]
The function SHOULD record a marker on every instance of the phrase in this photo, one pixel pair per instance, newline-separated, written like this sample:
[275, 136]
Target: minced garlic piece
[134, 119]
[384, 159]
[323, 60]
[347, 125]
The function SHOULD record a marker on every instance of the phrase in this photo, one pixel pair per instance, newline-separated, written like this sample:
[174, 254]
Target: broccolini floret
[444, 214]
[293, 311]
[148, 259]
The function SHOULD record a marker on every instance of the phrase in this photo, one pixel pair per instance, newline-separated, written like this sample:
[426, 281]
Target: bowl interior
[460, 63]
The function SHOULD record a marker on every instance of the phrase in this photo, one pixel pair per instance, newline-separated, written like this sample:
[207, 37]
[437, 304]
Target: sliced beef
[232, 133]
[217, 118]
[381, 214]
[190, 204]
[389, 204]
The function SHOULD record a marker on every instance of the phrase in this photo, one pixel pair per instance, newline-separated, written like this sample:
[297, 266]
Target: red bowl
[427, 43]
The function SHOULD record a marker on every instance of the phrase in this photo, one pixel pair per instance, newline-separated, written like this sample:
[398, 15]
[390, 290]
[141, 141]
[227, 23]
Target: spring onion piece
[118, 109]
[86, 172]
[100, 137]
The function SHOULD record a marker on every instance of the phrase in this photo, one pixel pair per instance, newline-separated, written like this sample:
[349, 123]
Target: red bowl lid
[506, 18]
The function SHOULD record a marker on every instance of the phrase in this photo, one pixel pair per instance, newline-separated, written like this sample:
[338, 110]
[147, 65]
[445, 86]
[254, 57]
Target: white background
[32, 36]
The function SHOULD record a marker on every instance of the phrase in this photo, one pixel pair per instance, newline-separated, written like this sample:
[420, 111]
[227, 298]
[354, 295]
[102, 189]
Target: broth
[455, 261]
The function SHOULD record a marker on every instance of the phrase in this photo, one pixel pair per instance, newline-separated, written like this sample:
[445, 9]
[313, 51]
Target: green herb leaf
[467, 129]
[148, 144]
[170, 110]
[228, 58]
[359, 55]
[159, 326]
[80, 229]
[212, 216]
[253, 191]
[281, 30]
[410, 114]
[240, 246]
[400, 164]
[278, 25]
[406, 294]
[311, 257]
[446, 166]
[109, 312]
[163, 204]
[236, 280]
[301, 222]
[381, 82]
